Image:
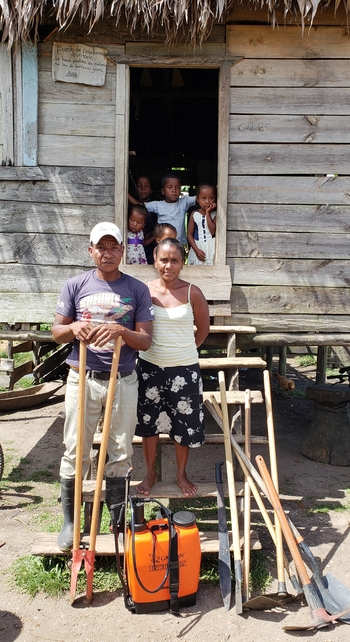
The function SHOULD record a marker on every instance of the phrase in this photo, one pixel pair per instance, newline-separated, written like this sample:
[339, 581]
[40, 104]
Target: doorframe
[122, 139]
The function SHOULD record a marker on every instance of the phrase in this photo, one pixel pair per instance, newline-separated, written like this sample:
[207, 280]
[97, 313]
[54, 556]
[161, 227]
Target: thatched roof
[189, 19]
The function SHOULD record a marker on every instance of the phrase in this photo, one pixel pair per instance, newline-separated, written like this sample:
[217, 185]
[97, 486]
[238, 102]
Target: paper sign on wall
[79, 63]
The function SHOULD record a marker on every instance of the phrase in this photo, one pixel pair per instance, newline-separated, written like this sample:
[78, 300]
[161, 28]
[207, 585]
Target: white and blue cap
[105, 229]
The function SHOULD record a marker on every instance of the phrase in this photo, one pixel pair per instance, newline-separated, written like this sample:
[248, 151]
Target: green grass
[306, 360]
[326, 507]
[292, 394]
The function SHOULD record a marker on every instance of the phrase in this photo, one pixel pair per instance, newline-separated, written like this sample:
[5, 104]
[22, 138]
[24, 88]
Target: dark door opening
[174, 124]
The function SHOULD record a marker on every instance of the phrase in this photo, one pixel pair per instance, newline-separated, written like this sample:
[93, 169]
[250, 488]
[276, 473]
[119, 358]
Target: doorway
[174, 124]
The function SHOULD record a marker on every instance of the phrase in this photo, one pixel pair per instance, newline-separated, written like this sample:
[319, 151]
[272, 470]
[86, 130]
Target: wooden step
[221, 363]
[235, 396]
[162, 490]
[210, 439]
[232, 329]
[45, 543]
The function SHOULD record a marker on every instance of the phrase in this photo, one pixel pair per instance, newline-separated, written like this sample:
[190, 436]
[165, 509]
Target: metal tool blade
[224, 557]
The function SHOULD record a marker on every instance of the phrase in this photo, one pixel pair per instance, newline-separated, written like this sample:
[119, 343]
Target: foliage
[306, 360]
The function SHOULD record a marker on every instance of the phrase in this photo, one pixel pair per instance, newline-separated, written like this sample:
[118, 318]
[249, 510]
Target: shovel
[89, 555]
[320, 618]
[232, 495]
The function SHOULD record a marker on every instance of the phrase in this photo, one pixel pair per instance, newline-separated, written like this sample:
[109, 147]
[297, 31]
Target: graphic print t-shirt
[87, 298]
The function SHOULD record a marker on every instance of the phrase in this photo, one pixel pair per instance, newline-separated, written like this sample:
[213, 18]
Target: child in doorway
[136, 222]
[164, 231]
[202, 226]
[173, 208]
[145, 191]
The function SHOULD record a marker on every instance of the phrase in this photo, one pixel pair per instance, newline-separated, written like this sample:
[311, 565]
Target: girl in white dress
[202, 226]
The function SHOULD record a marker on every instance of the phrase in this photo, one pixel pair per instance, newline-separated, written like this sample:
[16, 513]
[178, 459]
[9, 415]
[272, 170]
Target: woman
[170, 385]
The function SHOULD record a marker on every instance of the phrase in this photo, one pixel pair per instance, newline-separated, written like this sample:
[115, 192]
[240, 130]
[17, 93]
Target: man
[96, 307]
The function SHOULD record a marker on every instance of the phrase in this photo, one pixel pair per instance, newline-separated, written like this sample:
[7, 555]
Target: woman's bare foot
[145, 487]
[186, 486]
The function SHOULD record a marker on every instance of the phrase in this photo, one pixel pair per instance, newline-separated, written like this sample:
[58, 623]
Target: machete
[224, 557]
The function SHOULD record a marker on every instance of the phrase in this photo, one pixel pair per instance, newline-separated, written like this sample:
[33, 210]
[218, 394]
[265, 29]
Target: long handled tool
[260, 602]
[281, 587]
[224, 558]
[232, 495]
[78, 554]
[320, 618]
[88, 556]
[247, 499]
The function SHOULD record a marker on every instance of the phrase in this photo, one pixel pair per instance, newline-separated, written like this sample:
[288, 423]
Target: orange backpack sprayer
[161, 558]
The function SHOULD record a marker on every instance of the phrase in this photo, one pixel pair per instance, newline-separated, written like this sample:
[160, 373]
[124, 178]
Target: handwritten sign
[79, 64]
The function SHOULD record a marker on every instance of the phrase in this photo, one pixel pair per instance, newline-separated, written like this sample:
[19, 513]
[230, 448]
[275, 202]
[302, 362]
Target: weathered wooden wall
[288, 233]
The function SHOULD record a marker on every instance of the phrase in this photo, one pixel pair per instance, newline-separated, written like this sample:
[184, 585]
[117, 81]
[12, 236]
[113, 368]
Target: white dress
[204, 240]
[135, 252]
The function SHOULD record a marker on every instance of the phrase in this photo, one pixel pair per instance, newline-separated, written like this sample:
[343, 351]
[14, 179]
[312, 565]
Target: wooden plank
[210, 439]
[43, 249]
[214, 281]
[286, 73]
[283, 322]
[36, 308]
[290, 300]
[289, 129]
[332, 101]
[62, 92]
[239, 13]
[29, 104]
[21, 371]
[72, 120]
[297, 339]
[316, 273]
[228, 329]
[121, 146]
[21, 174]
[45, 55]
[23, 217]
[46, 543]
[257, 41]
[75, 151]
[162, 490]
[18, 106]
[287, 245]
[150, 49]
[223, 137]
[318, 190]
[289, 218]
[231, 362]
[6, 107]
[289, 159]
[90, 186]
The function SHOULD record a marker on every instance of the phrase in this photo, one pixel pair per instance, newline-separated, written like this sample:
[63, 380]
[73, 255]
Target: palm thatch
[189, 20]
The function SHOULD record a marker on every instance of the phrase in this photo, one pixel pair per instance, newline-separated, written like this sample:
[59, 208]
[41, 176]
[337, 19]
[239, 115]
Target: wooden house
[254, 95]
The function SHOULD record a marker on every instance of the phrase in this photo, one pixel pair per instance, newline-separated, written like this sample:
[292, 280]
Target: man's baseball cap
[105, 229]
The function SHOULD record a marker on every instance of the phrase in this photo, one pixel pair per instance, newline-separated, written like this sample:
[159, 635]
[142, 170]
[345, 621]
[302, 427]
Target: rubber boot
[65, 538]
[115, 492]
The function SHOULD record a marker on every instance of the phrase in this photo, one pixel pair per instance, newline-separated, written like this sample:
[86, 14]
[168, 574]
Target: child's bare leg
[186, 486]
[149, 447]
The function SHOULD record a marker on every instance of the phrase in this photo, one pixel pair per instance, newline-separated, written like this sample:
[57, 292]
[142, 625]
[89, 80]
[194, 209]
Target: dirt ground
[36, 435]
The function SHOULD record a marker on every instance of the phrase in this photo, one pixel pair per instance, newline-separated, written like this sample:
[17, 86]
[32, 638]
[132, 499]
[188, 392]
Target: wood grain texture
[333, 219]
[57, 218]
[289, 129]
[75, 151]
[29, 105]
[207, 49]
[290, 100]
[289, 159]
[72, 120]
[291, 272]
[288, 73]
[223, 138]
[289, 300]
[62, 92]
[318, 190]
[6, 107]
[282, 322]
[257, 41]
[310, 245]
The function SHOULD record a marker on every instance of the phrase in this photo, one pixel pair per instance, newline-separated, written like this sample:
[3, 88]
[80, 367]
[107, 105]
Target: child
[202, 226]
[136, 222]
[164, 231]
[173, 208]
[144, 188]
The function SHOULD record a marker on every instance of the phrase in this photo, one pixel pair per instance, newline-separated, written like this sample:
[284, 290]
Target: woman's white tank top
[173, 342]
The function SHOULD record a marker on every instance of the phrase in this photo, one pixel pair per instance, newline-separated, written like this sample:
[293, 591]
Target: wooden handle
[79, 446]
[247, 502]
[104, 443]
[275, 501]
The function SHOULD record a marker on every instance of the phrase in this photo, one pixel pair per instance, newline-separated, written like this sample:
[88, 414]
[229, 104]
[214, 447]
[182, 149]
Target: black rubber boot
[115, 492]
[65, 538]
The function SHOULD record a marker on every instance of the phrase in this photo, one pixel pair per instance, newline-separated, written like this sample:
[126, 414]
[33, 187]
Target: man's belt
[104, 376]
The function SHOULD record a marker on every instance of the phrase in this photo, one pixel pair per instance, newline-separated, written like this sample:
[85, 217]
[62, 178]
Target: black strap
[174, 571]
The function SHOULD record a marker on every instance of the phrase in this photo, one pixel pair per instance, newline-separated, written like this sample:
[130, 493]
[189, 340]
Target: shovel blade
[77, 560]
[89, 570]
[340, 595]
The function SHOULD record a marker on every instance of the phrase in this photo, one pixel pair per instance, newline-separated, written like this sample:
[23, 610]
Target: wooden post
[282, 367]
[321, 364]
[269, 358]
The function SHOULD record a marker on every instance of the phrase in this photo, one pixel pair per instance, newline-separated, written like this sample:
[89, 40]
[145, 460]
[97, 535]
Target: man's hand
[101, 334]
[82, 330]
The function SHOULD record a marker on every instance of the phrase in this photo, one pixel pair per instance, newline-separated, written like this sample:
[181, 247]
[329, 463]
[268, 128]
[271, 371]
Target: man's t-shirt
[88, 298]
[173, 213]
